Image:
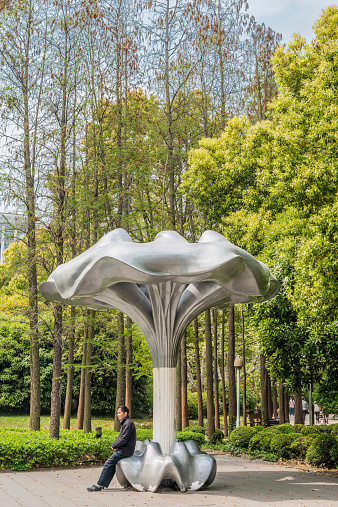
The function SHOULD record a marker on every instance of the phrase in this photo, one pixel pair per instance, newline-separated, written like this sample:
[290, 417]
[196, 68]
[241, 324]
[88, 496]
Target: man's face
[121, 415]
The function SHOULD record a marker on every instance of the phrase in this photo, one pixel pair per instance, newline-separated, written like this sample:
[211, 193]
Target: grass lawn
[22, 421]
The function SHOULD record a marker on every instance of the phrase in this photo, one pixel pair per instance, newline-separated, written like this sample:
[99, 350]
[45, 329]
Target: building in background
[11, 231]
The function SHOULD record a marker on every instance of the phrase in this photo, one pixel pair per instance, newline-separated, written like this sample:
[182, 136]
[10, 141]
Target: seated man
[123, 446]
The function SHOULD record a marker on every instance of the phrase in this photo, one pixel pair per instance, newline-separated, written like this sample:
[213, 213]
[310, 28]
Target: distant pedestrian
[305, 408]
[316, 409]
[123, 447]
[291, 406]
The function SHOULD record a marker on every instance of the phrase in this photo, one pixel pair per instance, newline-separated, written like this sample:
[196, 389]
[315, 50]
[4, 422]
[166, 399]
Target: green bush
[300, 445]
[183, 436]
[334, 455]
[261, 441]
[241, 436]
[281, 444]
[325, 429]
[195, 428]
[309, 430]
[334, 429]
[319, 453]
[283, 428]
[217, 436]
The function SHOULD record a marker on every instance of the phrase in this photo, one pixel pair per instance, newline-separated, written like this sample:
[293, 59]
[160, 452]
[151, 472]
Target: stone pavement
[239, 482]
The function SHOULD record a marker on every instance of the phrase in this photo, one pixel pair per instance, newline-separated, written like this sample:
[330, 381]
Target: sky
[289, 16]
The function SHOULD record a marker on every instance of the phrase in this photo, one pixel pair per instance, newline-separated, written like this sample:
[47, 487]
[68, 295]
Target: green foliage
[25, 449]
[309, 430]
[281, 444]
[325, 429]
[319, 453]
[195, 429]
[217, 436]
[241, 436]
[183, 436]
[283, 428]
[334, 429]
[300, 445]
[266, 456]
[261, 441]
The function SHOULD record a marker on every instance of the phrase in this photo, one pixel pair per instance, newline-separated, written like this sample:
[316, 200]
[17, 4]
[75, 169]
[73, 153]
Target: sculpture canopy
[162, 285]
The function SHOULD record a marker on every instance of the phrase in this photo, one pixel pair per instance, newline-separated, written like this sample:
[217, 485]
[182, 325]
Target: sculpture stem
[164, 412]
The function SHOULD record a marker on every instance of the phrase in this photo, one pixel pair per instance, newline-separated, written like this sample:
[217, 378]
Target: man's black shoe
[95, 488]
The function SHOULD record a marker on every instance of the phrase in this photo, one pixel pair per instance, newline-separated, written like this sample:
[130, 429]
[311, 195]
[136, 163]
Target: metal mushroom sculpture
[162, 285]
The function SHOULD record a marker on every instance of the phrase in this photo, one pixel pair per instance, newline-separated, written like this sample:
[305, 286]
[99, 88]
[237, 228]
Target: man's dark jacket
[126, 441]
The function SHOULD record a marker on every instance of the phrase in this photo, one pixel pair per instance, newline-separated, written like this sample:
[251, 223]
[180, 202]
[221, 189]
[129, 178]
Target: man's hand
[114, 448]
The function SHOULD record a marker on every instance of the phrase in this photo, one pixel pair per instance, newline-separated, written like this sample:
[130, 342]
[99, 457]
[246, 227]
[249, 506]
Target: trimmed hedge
[183, 436]
[195, 428]
[241, 436]
[287, 441]
[281, 444]
[321, 451]
[300, 445]
[26, 449]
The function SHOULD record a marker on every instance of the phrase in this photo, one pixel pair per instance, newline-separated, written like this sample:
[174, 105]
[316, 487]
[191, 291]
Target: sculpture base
[185, 466]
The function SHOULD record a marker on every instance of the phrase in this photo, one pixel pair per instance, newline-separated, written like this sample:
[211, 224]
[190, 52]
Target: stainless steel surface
[162, 285]
[190, 468]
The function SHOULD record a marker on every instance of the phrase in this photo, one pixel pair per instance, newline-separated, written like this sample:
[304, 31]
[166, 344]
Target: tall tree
[231, 369]
[209, 371]
[24, 46]
[198, 374]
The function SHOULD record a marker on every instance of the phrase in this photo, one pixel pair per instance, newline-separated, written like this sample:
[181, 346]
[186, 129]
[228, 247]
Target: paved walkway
[239, 482]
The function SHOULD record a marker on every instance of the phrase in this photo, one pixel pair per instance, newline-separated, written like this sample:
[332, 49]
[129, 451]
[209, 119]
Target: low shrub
[266, 456]
[324, 429]
[183, 436]
[300, 445]
[297, 427]
[319, 453]
[261, 441]
[334, 455]
[281, 444]
[241, 436]
[334, 429]
[309, 430]
[217, 436]
[195, 428]
[283, 428]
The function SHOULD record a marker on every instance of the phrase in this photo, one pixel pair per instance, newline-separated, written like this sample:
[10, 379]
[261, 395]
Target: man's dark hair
[123, 408]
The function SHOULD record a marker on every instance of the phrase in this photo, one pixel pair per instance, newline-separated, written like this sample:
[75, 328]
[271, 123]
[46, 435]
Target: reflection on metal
[162, 285]
[186, 465]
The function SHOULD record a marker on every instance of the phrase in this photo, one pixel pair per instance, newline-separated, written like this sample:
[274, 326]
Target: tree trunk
[70, 371]
[298, 407]
[121, 369]
[286, 406]
[244, 371]
[129, 364]
[210, 393]
[274, 398]
[198, 374]
[270, 407]
[80, 408]
[178, 392]
[184, 383]
[217, 421]
[231, 370]
[225, 416]
[87, 426]
[281, 403]
[264, 393]
[54, 430]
